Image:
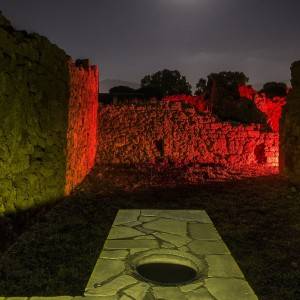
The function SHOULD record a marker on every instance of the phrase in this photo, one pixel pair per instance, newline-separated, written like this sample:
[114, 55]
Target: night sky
[131, 38]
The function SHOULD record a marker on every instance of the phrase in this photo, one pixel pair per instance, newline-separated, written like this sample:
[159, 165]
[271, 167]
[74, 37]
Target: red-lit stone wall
[270, 107]
[82, 123]
[131, 134]
[198, 102]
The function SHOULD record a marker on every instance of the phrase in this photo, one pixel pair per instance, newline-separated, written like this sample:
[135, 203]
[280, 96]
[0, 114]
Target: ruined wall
[290, 130]
[35, 88]
[270, 107]
[33, 111]
[131, 134]
[82, 123]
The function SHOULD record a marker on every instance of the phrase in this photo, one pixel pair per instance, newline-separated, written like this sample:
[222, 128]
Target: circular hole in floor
[166, 273]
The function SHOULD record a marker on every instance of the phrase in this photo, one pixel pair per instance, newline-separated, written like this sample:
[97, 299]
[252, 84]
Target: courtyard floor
[258, 218]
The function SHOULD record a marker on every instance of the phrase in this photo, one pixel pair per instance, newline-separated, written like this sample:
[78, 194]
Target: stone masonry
[82, 123]
[48, 112]
[290, 130]
[147, 134]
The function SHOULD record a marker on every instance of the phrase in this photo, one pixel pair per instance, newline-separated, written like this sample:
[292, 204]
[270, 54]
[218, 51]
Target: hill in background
[107, 84]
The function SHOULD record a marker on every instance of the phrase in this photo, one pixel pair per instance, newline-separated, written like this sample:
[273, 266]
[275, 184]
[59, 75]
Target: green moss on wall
[34, 87]
[290, 130]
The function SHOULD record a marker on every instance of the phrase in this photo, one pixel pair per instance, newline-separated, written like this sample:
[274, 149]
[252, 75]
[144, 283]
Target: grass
[259, 220]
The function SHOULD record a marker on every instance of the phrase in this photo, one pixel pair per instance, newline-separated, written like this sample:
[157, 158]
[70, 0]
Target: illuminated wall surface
[290, 130]
[132, 134]
[82, 124]
[271, 108]
[43, 99]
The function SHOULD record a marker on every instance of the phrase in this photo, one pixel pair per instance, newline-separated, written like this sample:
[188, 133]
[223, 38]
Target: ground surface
[259, 220]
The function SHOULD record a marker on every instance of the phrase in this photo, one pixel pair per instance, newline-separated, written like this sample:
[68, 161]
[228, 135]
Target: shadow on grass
[259, 220]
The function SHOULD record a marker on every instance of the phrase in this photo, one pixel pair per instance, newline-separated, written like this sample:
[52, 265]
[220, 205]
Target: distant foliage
[222, 92]
[227, 84]
[165, 83]
[201, 87]
[274, 89]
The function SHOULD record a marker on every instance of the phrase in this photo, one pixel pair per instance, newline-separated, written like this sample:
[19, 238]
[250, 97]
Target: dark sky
[131, 38]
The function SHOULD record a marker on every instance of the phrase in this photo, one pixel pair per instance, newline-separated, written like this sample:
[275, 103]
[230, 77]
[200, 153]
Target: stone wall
[148, 134]
[270, 107]
[82, 123]
[37, 83]
[290, 130]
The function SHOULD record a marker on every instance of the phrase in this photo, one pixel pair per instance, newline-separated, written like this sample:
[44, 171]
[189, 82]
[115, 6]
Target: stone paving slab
[104, 270]
[167, 293]
[111, 288]
[129, 244]
[137, 291]
[198, 231]
[114, 254]
[189, 231]
[223, 266]
[120, 232]
[126, 216]
[189, 215]
[208, 247]
[124, 297]
[168, 226]
[51, 298]
[191, 287]
[115, 297]
[172, 239]
[201, 293]
[230, 288]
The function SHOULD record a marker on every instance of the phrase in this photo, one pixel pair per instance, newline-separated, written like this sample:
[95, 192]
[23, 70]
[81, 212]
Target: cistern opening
[167, 267]
[166, 273]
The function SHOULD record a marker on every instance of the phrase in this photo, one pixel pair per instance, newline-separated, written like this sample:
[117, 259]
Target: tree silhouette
[201, 87]
[165, 83]
[273, 89]
[227, 83]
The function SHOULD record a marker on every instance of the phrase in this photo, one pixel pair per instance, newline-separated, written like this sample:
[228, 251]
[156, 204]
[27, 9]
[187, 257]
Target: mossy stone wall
[34, 93]
[290, 130]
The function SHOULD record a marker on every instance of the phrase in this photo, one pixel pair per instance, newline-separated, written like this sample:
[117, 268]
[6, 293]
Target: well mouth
[166, 273]
[166, 266]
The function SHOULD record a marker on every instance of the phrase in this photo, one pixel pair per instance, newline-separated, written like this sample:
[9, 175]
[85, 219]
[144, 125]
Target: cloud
[184, 2]
[255, 65]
